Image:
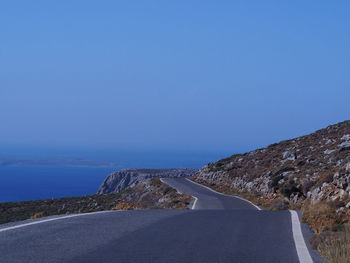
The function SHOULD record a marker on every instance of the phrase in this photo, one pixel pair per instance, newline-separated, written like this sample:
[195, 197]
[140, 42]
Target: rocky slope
[148, 194]
[313, 167]
[123, 179]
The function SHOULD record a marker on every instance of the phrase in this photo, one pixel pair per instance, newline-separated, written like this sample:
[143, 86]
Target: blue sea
[18, 183]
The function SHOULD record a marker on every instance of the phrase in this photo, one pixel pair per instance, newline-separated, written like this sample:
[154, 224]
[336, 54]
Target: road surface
[218, 229]
[207, 198]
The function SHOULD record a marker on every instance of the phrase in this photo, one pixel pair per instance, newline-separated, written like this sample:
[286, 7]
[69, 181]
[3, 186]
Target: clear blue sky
[178, 75]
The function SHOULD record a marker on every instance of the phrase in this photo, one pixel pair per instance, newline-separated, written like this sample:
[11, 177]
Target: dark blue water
[18, 183]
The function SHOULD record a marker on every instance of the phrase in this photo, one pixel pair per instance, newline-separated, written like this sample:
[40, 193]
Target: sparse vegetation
[153, 196]
[219, 164]
[320, 216]
[332, 236]
[16, 211]
[37, 215]
[275, 180]
[124, 206]
[306, 186]
[289, 188]
[325, 178]
[335, 246]
[279, 204]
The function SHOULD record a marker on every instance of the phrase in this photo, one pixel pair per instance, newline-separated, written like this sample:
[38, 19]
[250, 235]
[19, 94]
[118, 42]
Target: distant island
[56, 162]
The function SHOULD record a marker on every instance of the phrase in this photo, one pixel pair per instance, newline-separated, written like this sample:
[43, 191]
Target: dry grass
[332, 236]
[124, 206]
[37, 215]
[335, 246]
[320, 216]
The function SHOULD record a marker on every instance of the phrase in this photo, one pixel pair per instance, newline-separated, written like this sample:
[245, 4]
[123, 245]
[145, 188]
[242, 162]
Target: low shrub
[306, 186]
[124, 206]
[325, 178]
[37, 215]
[279, 204]
[288, 188]
[275, 180]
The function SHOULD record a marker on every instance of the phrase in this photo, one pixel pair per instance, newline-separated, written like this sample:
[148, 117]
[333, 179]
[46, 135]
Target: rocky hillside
[148, 194]
[123, 179]
[313, 167]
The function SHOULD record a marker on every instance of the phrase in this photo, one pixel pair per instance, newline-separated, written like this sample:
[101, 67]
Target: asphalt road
[219, 229]
[208, 199]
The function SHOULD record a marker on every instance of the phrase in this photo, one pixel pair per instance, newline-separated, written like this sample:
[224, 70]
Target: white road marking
[194, 203]
[52, 219]
[257, 207]
[195, 198]
[302, 250]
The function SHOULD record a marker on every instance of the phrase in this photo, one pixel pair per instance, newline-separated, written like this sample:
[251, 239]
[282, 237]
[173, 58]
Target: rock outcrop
[123, 179]
[313, 167]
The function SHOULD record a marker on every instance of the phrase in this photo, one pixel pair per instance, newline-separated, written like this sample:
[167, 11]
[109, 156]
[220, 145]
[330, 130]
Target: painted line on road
[302, 250]
[194, 203]
[53, 219]
[257, 207]
[195, 198]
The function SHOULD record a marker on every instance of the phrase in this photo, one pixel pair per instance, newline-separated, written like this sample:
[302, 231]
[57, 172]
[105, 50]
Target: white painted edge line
[257, 207]
[53, 219]
[302, 250]
[194, 203]
[195, 198]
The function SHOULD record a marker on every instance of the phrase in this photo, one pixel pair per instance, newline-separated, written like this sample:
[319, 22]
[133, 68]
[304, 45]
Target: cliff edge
[123, 179]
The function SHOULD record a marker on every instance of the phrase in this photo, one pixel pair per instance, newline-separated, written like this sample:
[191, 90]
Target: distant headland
[56, 162]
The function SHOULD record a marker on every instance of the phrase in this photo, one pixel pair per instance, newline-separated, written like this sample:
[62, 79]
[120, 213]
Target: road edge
[195, 198]
[238, 197]
[299, 241]
[54, 219]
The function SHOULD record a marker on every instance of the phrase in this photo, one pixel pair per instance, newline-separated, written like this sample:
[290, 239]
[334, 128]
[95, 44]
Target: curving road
[206, 198]
[218, 229]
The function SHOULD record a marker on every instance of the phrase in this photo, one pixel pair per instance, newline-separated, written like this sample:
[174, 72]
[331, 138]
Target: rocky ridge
[123, 179]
